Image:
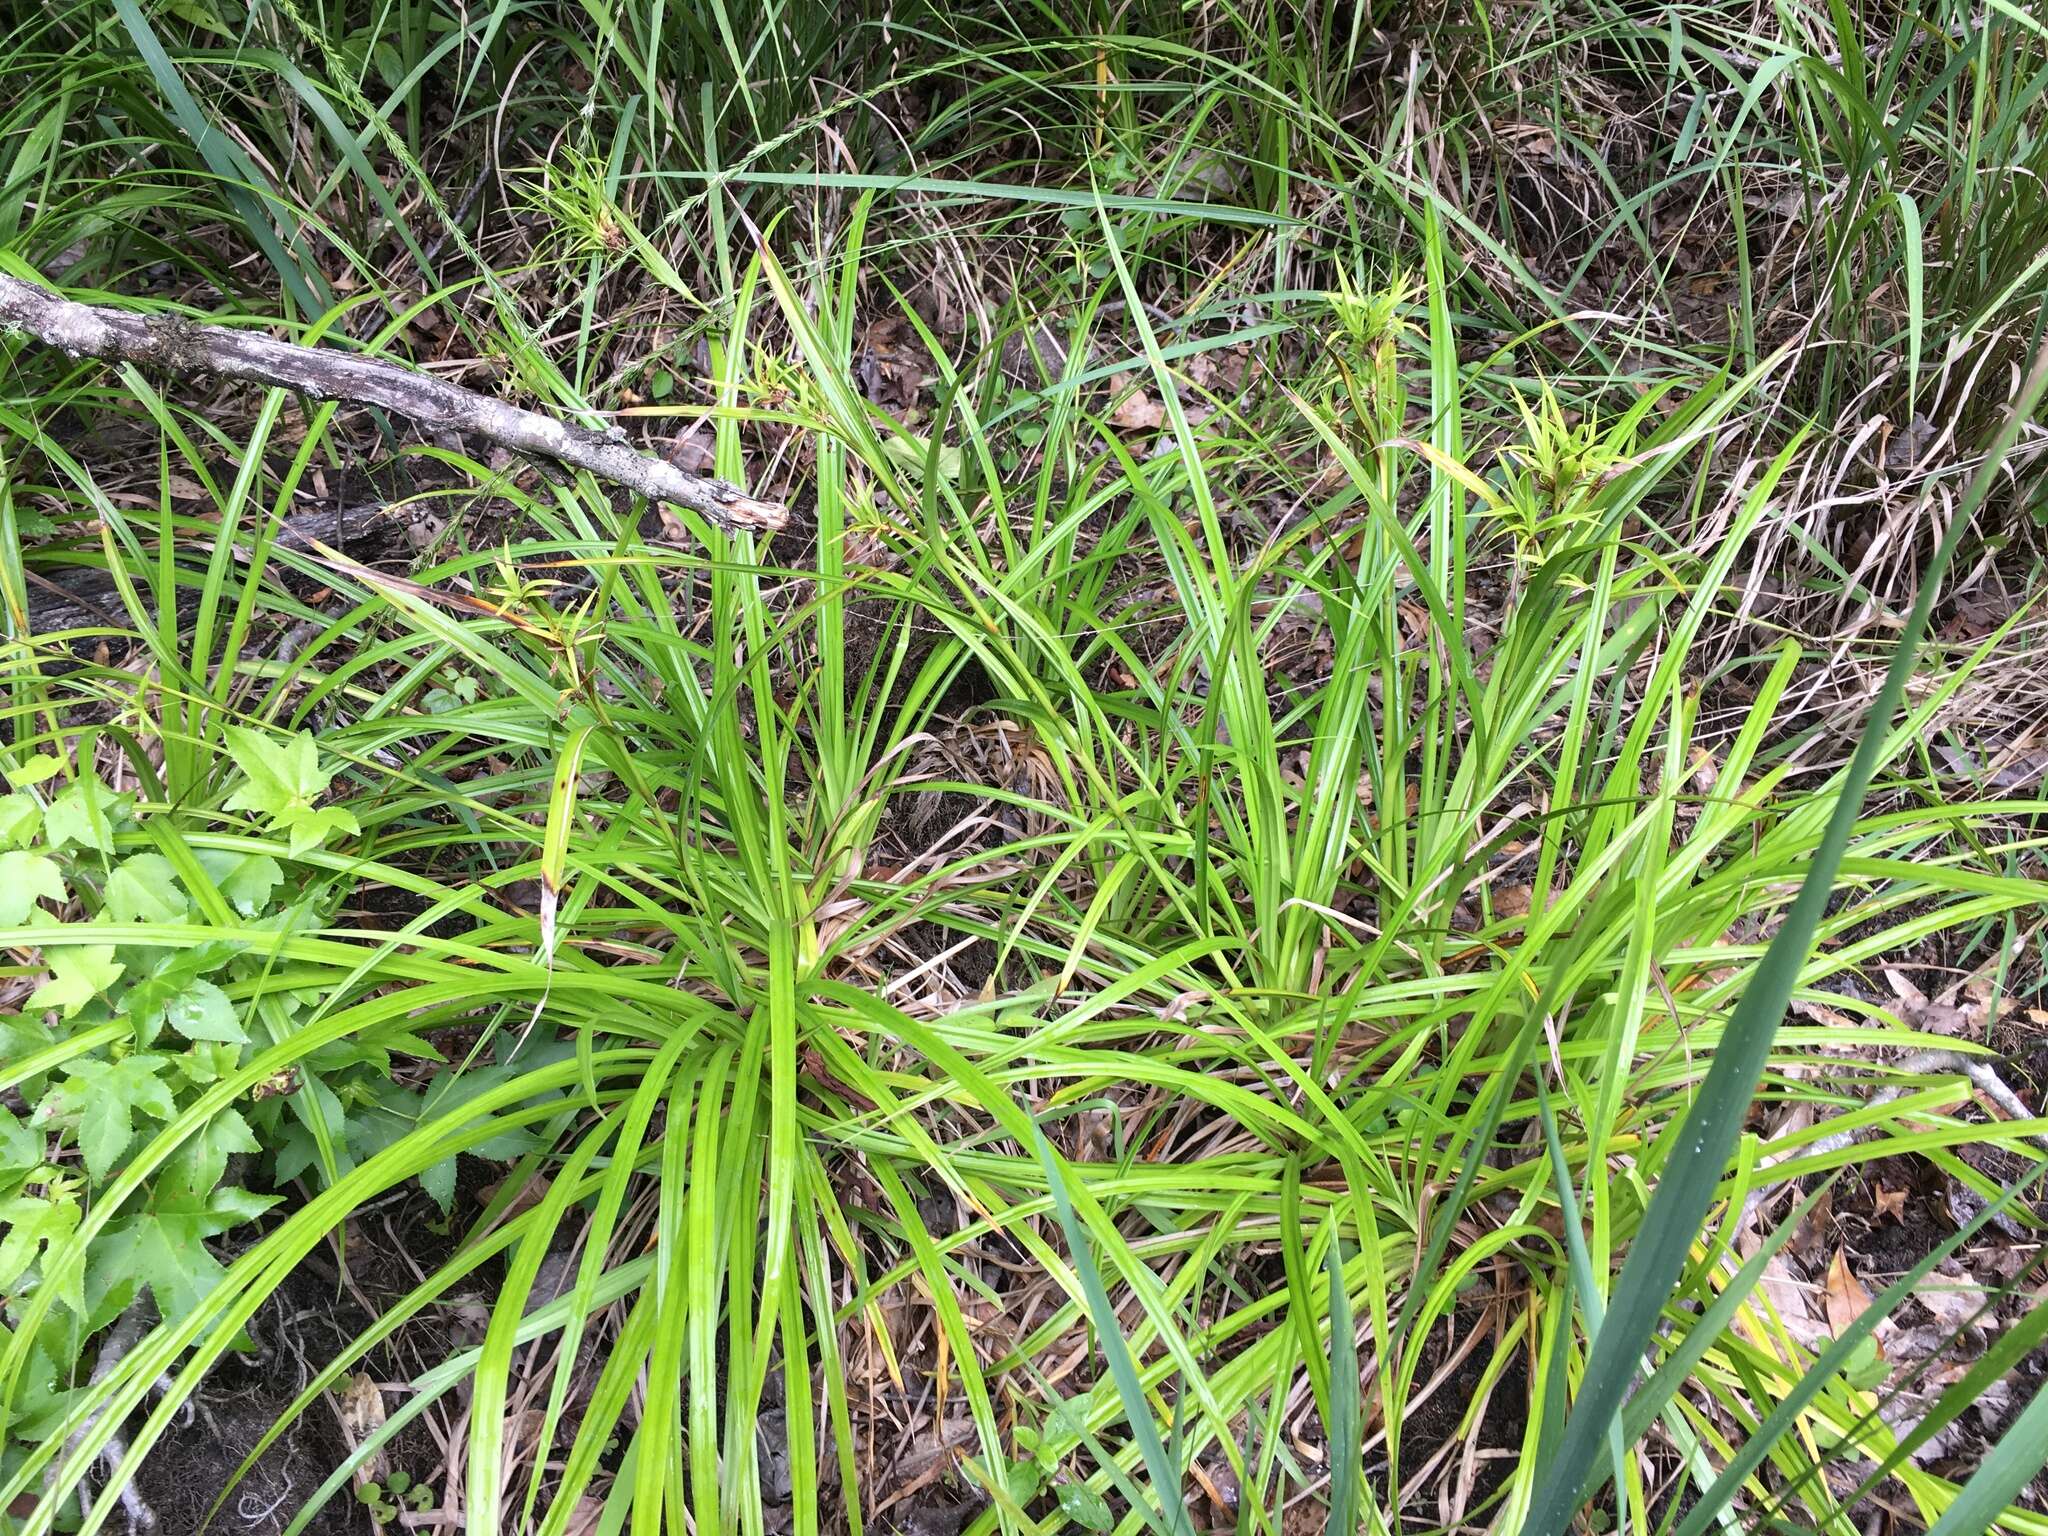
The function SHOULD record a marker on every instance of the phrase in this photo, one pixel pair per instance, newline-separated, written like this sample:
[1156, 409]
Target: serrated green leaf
[78, 974]
[21, 1151]
[1084, 1506]
[296, 1149]
[170, 972]
[282, 780]
[246, 879]
[144, 889]
[25, 879]
[201, 1161]
[27, 1225]
[404, 1040]
[276, 774]
[39, 1400]
[79, 815]
[22, 1036]
[164, 1247]
[207, 1062]
[202, 1012]
[36, 770]
[20, 817]
[100, 1099]
[311, 828]
[439, 1183]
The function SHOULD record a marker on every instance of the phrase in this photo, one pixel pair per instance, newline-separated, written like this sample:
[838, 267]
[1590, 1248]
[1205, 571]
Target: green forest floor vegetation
[1371, 859]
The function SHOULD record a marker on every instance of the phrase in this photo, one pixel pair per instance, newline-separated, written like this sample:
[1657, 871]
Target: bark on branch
[180, 346]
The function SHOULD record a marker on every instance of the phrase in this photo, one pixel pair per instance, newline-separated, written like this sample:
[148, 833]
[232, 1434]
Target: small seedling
[385, 1498]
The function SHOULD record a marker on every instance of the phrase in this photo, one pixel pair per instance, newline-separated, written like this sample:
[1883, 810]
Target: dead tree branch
[180, 346]
[126, 1333]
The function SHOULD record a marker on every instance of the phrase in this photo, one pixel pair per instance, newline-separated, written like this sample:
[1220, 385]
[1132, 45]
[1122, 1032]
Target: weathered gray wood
[180, 346]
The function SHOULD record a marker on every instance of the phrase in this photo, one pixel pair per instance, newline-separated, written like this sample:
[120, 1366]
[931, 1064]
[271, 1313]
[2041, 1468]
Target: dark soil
[192, 1469]
[191, 1475]
[1434, 1423]
[191, 1478]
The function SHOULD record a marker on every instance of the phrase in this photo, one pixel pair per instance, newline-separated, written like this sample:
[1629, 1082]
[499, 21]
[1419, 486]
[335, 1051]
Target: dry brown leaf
[1953, 1302]
[1222, 371]
[892, 364]
[1512, 901]
[1787, 1299]
[1888, 1202]
[530, 1194]
[1846, 1300]
[1810, 1241]
[1138, 411]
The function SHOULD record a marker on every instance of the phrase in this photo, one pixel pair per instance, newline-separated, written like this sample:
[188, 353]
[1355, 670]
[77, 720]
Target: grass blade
[1715, 1121]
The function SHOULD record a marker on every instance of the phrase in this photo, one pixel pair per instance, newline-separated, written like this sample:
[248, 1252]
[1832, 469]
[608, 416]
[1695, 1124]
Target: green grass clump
[1227, 899]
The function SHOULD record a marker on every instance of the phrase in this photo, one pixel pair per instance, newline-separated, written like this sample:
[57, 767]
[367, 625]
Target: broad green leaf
[1084, 1506]
[21, 1151]
[396, 1112]
[206, 1062]
[27, 1224]
[202, 1012]
[171, 973]
[39, 1400]
[1867, 1370]
[25, 879]
[79, 815]
[163, 1246]
[20, 817]
[1021, 1480]
[101, 1098]
[201, 14]
[201, 1160]
[246, 879]
[295, 1148]
[439, 1184]
[24, 1035]
[36, 770]
[78, 974]
[277, 774]
[310, 827]
[913, 452]
[143, 888]
[282, 779]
